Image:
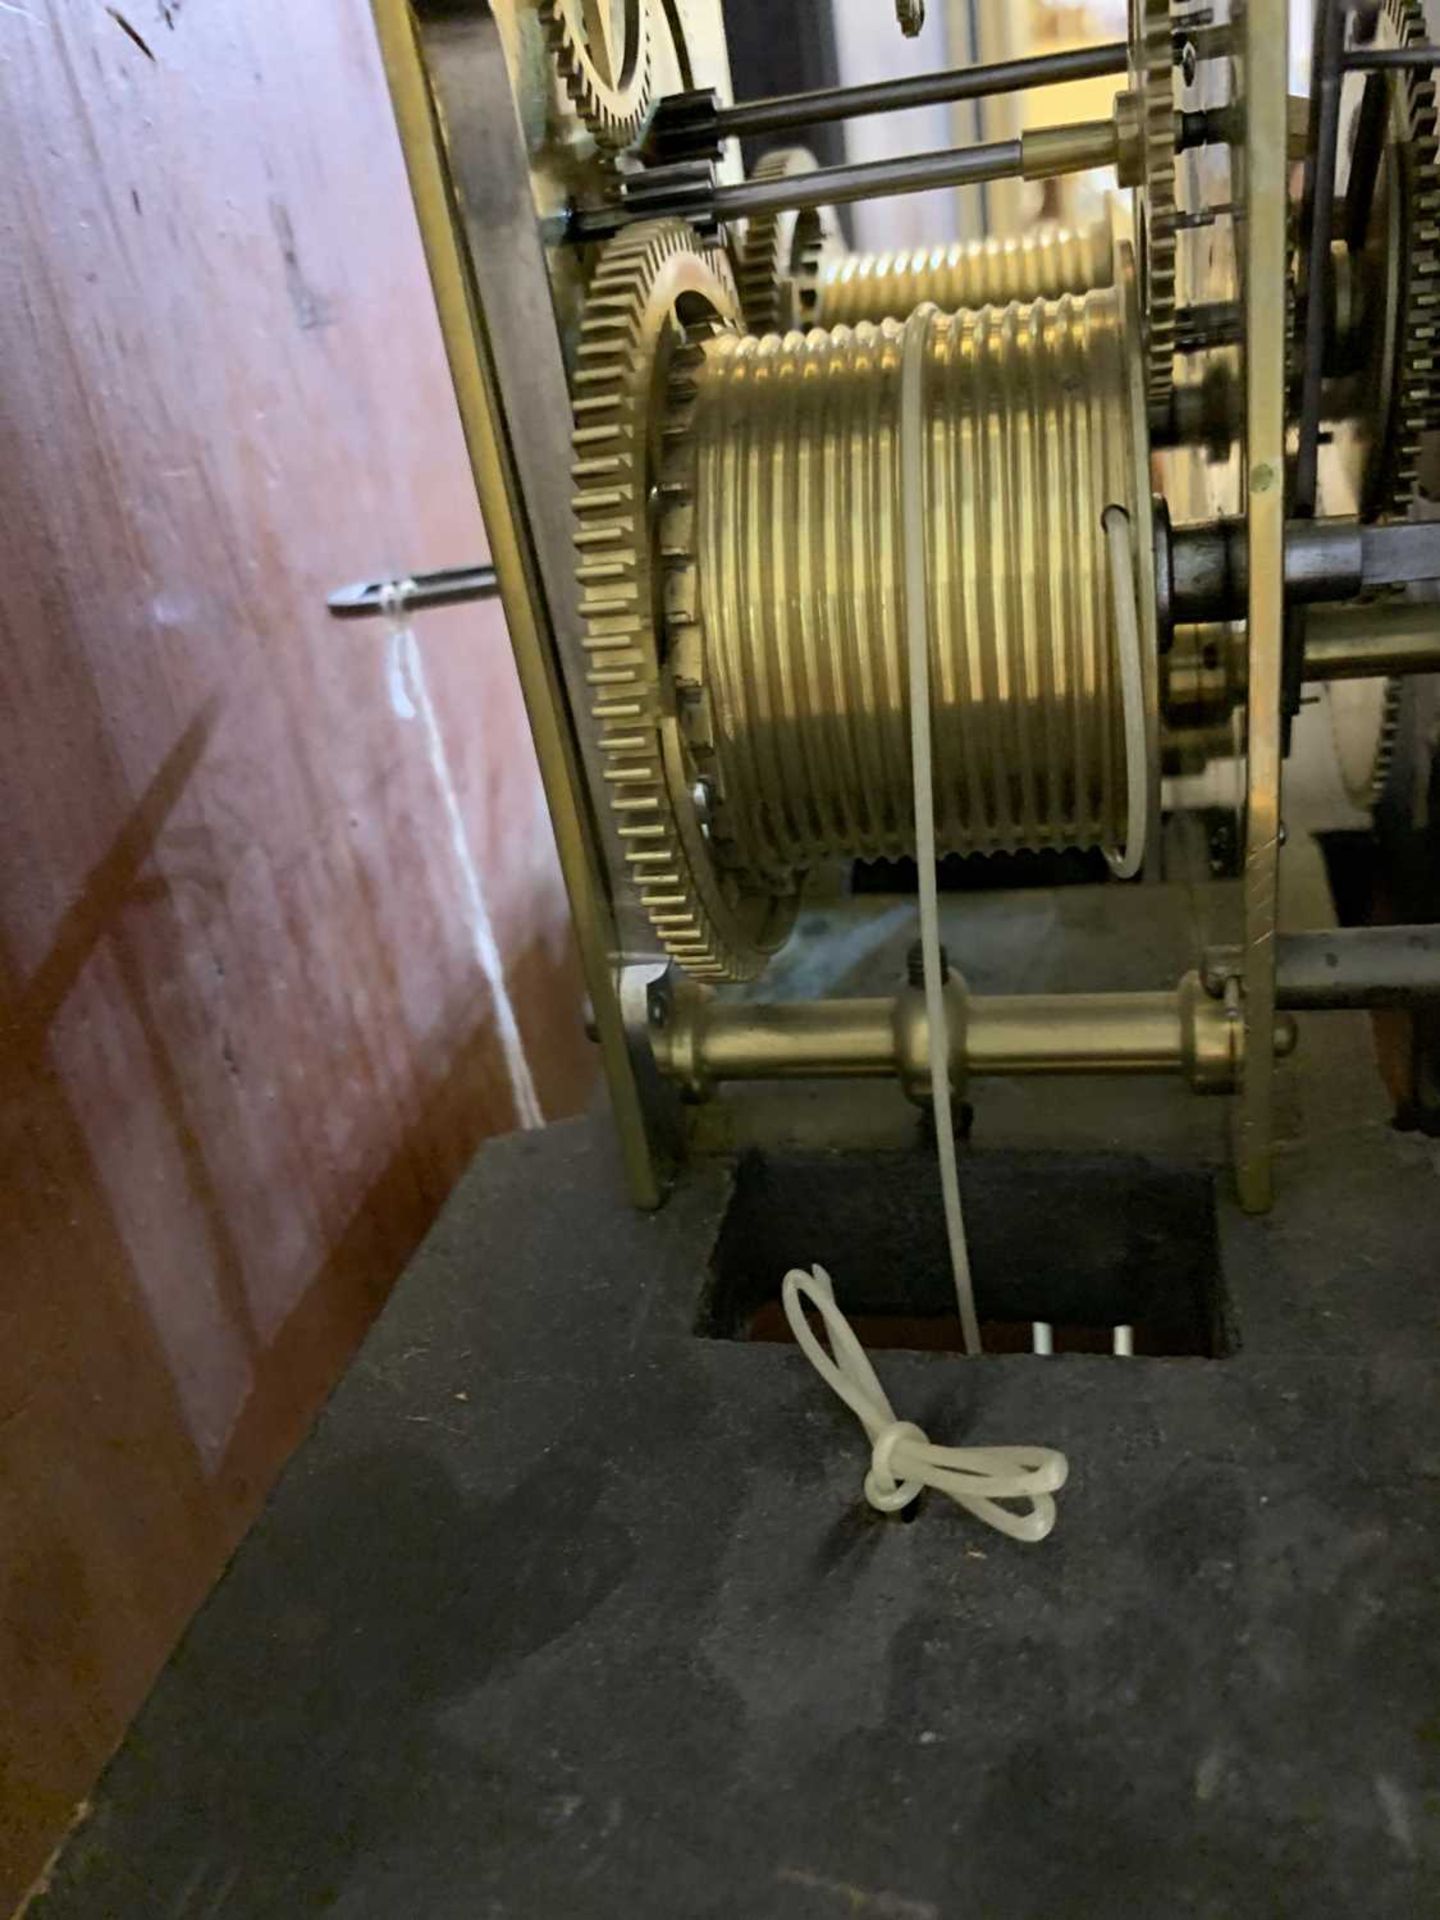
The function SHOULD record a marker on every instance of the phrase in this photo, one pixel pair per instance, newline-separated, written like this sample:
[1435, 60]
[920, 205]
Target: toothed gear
[609, 84]
[1402, 407]
[655, 293]
[1364, 717]
[780, 254]
[1414, 410]
[1389, 734]
[1153, 60]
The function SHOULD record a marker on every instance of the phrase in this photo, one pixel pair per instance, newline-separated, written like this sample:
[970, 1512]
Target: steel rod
[1371, 59]
[873, 179]
[923, 90]
[1328, 559]
[1404, 551]
[1367, 643]
[1205, 672]
[1358, 967]
[1037, 155]
[1330, 969]
[413, 592]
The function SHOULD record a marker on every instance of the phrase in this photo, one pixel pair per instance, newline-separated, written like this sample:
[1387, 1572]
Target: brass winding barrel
[785, 597]
[1042, 263]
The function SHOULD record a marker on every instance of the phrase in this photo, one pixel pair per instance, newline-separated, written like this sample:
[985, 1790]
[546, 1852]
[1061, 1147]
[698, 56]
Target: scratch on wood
[888, 1906]
[311, 309]
[134, 32]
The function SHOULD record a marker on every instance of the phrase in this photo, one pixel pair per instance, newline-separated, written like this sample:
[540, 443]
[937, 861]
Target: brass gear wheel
[1364, 721]
[654, 293]
[779, 259]
[1399, 408]
[1389, 732]
[604, 54]
[1153, 63]
[1410, 389]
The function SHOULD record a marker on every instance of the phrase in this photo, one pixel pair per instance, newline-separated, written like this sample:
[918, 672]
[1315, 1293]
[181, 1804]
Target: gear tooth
[613, 113]
[614, 557]
[1158, 210]
[1415, 321]
[777, 266]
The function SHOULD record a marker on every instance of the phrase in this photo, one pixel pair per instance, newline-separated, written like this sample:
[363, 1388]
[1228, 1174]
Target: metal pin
[449, 587]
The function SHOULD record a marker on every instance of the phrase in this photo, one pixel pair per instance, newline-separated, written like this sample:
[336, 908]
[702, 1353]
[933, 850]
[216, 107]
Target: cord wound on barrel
[798, 545]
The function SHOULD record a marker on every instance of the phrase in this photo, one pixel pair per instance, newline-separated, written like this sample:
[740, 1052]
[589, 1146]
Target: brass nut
[1211, 1036]
[1129, 139]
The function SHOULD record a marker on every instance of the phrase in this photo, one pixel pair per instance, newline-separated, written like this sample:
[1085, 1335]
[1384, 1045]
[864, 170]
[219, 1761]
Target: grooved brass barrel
[789, 601]
[1043, 263]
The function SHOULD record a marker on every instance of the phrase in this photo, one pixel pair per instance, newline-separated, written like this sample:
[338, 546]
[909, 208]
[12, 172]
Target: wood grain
[269, 884]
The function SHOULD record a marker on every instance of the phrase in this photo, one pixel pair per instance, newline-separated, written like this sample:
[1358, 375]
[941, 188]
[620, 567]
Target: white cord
[917, 642]
[1126, 862]
[902, 1459]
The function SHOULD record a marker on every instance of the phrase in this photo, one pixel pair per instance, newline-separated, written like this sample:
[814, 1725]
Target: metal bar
[710, 1040]
[829, 186]
[1075, 1033]
[797, 1040]
[414, 592]
[1334, 969]
[1358, 967]
[1365, 643]
[1204, 672]
[1330, 559]
[704, 1040]
[1371, 59]
[1262, 159]
[1208, 559]
[1037, 155]
[1317, 221]
[1324, 560]
[1395, 555]
[826, 104]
